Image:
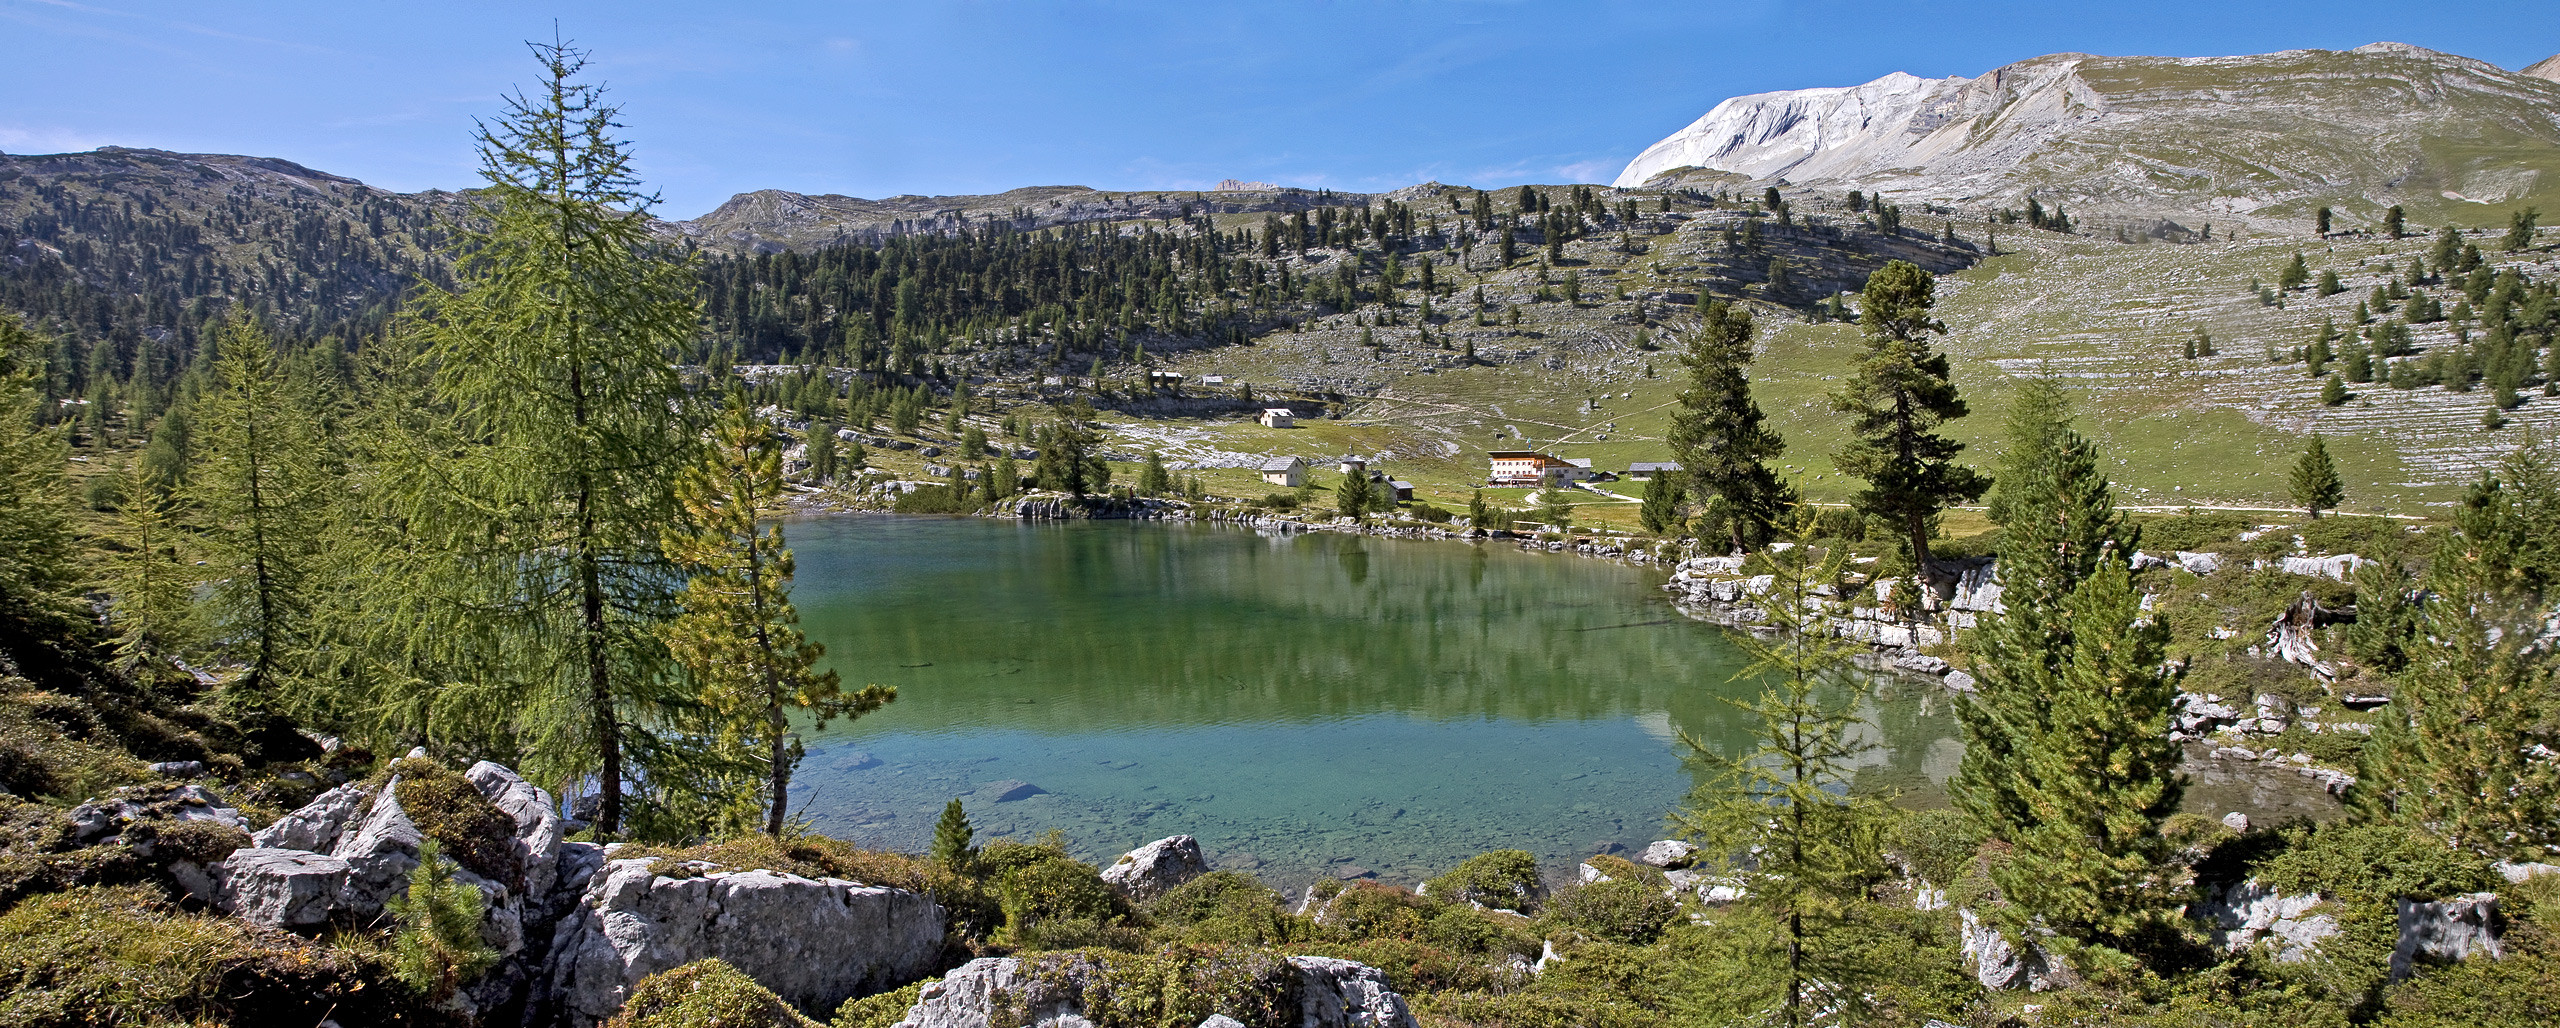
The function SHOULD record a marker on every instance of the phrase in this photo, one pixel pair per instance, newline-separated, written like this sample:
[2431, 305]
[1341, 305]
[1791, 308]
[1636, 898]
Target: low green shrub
[935, 499]
[2202, 531]
[1624, 908]
[1051, 901]
[1225, 907]
[1170, 986]
[880, 1011]
[1505, 879]
[707, 993]
[1936, 845]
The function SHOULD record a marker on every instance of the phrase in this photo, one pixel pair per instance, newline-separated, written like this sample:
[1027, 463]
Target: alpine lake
[1308, 705]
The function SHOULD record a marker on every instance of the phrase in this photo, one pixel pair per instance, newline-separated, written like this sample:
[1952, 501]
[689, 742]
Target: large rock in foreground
[1157, 867]
[2446, 930]
[814, 942]
[995, 992]
[278, 888]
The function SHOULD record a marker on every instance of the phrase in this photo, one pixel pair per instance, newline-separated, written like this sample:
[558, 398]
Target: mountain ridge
[2255, 138]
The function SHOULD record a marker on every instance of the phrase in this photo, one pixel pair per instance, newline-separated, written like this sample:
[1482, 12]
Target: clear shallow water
[1303, 704]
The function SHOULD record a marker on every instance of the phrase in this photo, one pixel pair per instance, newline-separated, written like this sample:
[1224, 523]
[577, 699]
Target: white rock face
[2446, 930]
[1999, 964]
[278, 888]
[537, 822]
[1157, 867]
[316, 825]
[1341, 994]
[2248, 913]
[814, 942]
[2130, 131]
[380, 851]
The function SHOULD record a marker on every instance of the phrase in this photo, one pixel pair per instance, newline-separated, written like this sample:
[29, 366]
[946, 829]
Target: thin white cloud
[26, 139]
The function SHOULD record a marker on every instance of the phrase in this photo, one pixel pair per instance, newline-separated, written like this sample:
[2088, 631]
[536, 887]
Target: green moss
[705, 994]
[449, 809]
[1507, 879]
[124, 956]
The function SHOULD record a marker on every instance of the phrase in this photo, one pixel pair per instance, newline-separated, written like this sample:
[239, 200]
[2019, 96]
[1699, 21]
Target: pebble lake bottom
[1309, 706]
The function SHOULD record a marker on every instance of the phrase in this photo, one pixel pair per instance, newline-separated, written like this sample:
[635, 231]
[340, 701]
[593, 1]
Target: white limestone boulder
[278, 888]
[2445, 931]
[814, 942]
[1156, 868]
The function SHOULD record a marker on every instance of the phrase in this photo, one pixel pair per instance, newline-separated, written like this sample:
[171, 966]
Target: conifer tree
[1661, 510]
[2460, 752]
[2102, 776]
[2334, 392]
[435, 943]
[2294, 274]
[952, 835]
[36, 544]
[153, 585]
[1780, 816]
[2315, 480]
[2520, 229]
[1897, 397]
[541, 490]
[739, 634]
[1719, 435]
[263, 495]
[822, 452]
[1154, 480]
[2395, 222]
[1352, 497]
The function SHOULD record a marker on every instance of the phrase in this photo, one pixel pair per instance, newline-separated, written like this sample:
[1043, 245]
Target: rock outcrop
[279, 888]
[1157, 867]
[2446, 930]
[1999, 964]
[990, 991]
[1668, 854]
[814, 942]
[2248, 913]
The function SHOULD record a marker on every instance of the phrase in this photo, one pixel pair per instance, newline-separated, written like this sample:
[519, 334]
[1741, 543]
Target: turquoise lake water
[1307, 705]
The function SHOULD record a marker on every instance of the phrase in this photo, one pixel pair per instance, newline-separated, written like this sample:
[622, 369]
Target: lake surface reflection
[1306, 705]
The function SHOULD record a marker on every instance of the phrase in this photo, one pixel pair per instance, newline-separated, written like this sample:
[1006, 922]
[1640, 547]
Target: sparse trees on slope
[1897, 398]
[1719, 435]
[2315, 480]
[541, 494]
[739, 634]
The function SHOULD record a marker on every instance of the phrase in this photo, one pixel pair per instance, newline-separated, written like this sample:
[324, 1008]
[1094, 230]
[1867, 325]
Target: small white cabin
[1285, 471]
[1279, 417]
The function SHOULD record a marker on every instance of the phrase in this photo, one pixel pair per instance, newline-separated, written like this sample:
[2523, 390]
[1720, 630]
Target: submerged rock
[1157, 867]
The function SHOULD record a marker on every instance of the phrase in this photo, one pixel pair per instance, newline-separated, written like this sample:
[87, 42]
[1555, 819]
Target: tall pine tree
[2460, 754]
[1723, 441]
[1897, 398]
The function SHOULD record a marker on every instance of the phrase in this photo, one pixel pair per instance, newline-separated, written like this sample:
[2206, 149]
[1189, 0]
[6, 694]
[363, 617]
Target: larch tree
[1722, 440]
[36, 543]
[1898, 397]
[542, 487]
[1781, 816]
[263, 495]
[739, 635]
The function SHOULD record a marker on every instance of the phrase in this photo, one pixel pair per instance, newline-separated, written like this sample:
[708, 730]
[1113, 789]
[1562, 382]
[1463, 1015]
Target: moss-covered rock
[705, 994]
[446, 807]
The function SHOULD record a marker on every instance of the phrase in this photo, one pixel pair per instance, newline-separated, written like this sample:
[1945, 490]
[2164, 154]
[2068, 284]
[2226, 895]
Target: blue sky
[876, 99]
